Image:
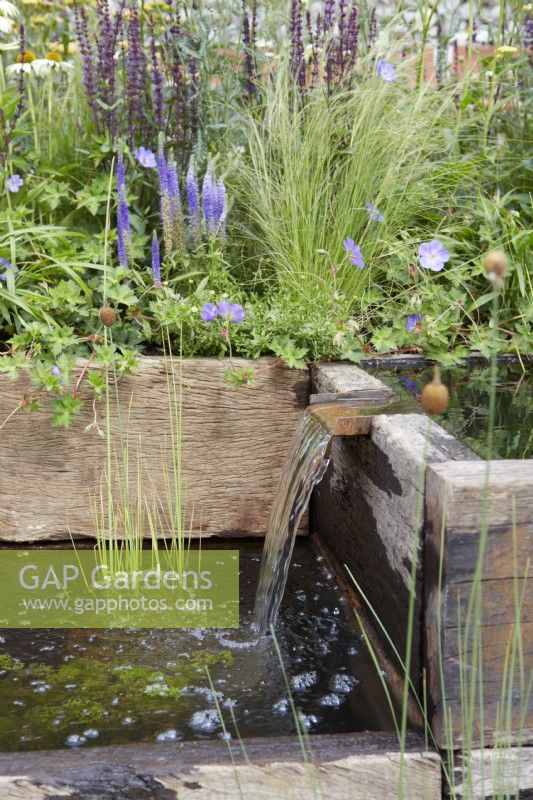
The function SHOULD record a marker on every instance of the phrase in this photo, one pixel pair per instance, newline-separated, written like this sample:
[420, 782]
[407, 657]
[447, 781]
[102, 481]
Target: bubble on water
[41, 687]
[18, 703]
[115, 701]
[281, 707]
[225, 736]
[91, 733]
[343, 683]
[304, 680]
[204, 721]
[70, 686]
[229, 702]
[157, 689]
[352, 651]
[128, 721]
[308, 721]
[75, 740]
[2, 640]
[172, 735]
[330, 700]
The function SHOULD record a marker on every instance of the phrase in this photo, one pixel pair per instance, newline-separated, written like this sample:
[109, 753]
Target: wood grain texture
[234, 445]
[345, 381]
[347, 767]
[501, 772]
[365, 511]
[461, 501]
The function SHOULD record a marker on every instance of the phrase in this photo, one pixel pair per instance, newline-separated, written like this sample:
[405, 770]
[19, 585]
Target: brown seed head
[108, 316]
[495, 265]
[435, 396]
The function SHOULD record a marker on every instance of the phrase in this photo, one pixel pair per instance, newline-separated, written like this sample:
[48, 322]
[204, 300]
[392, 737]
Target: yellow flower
[58, 47]
[40, 19]
[527, 7]
[506, 50]
[27, 57]
[53, 56]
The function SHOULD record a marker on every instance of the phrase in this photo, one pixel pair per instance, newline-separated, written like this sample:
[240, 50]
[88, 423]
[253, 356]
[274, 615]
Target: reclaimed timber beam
[234, 444]
[344, 767]
[345, 381]
[479, 540]
[365, 512]
[494, 772]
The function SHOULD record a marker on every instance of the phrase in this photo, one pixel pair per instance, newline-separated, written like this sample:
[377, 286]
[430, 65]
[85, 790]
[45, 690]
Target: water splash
[304, 467]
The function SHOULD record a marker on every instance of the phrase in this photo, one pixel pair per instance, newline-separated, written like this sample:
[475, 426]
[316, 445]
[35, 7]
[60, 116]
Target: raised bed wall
[366, 510]
[234, 446]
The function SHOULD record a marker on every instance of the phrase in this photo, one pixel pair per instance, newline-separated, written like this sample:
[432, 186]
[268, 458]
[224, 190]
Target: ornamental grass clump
[373, 167]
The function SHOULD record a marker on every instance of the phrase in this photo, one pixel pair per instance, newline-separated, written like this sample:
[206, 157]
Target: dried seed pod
[435, 396]
[108, 316]
[496, 267]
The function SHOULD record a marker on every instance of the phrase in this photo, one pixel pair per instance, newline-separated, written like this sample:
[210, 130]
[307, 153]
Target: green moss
[10, 664]
[90, 692]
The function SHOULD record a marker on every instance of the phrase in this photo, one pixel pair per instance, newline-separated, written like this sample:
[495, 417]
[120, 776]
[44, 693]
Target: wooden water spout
[306, 464]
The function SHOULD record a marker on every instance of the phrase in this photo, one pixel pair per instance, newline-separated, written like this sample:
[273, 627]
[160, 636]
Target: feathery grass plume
[315, 168]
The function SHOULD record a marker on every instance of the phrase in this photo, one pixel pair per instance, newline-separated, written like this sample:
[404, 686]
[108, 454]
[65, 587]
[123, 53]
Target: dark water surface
[468, 413]
[82, 688]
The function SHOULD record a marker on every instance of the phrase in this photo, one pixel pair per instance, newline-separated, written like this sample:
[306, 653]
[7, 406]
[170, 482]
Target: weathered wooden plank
[345, 381]
[348, 767]
[366, 512]
[479, 523]
[234, 445]
[494, 773]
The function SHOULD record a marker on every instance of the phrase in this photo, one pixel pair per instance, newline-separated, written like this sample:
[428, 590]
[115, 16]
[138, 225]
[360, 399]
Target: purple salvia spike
[156, 261]
[254, 25]
[353, 35]
[527, 36]
[329, 15]
[373, 28]
[81, 29]
[136, 64]
[342, 33]
[157, 80]
[248, 58]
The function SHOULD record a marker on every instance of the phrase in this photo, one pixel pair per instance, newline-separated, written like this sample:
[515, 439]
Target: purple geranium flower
[386, 72]
[374, 212]
[356, 257]
[231, 312]
[209, 312]
[412, 321]
[146, 158]
[6, 265]
[14, 182]
[433, 255]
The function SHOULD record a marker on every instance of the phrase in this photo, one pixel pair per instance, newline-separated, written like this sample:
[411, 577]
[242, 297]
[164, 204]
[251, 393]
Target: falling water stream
[304, 467]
